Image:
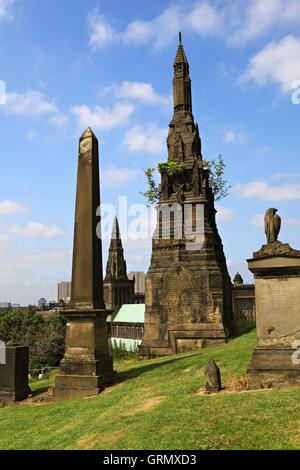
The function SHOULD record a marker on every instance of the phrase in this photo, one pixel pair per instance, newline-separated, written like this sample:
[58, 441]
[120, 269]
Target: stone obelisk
[87, 366]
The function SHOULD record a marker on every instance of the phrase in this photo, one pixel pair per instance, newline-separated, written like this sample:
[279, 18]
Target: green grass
[154, 408]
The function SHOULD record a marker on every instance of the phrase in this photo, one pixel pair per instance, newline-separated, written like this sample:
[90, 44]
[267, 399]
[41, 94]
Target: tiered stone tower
[188, 291]
[118, 289]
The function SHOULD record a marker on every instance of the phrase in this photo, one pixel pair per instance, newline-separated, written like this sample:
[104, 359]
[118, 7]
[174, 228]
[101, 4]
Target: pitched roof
[133, 313]
[180, 56]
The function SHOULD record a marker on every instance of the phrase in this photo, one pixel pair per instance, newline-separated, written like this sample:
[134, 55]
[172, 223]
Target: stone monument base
[276, 269]
[185, 337]
[87, 367]
[14, 374]
[272, 367]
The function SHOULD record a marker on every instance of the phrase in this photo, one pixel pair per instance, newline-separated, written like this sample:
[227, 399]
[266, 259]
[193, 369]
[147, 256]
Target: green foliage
[152, 194]
[45, 337]
[171, 168]
[218, 185]
[119, 352]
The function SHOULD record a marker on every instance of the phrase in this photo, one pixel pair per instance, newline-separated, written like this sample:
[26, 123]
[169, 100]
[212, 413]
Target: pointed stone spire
[87, 289]
[184, 144]
[116, 265]
[182, 82]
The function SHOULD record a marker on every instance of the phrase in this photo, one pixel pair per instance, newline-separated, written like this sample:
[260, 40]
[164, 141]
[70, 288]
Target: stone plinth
[87, 366]
[14, 374]
[276, 269]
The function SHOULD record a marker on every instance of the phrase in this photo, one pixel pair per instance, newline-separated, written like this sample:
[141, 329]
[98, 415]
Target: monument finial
[179, 37]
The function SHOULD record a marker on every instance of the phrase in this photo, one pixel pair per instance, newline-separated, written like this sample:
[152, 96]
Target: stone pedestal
[87, 366]
[14, 374]
[276, 268]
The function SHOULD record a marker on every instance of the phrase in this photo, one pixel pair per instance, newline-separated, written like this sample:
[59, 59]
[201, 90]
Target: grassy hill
[158, 405]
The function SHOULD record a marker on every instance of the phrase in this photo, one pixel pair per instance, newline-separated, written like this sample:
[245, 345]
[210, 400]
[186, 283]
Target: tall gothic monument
[118, 289]
[188, 289]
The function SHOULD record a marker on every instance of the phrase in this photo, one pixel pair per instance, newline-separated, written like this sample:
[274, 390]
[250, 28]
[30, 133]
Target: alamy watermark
[2, 353]
[296, 94]
[2, 92]
[165, 221]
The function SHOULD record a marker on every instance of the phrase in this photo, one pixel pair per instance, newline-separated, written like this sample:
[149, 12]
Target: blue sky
[68, 64]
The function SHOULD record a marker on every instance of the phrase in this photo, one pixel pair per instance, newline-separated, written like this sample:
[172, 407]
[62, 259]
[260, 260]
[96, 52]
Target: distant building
[128, 326]
[5, 306]
[117, 288]
[139, 281]
[41, 302]
[63, 291]
[243, 300]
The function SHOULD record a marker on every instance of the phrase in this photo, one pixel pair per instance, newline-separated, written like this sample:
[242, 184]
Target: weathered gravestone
[87, 366]
[276, 269]
[212, 377]
[14, 373]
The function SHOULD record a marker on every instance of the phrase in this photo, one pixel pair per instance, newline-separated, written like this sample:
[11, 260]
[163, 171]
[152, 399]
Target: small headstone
[14, 374]
[212, 377]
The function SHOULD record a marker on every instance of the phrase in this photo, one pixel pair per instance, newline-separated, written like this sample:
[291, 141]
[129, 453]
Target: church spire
[116, 264]
[181, 84]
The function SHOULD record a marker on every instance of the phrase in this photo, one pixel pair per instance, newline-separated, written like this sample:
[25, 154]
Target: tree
[45, 338]
[219, 185]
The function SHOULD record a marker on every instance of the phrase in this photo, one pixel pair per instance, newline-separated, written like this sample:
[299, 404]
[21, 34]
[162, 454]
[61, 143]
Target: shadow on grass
[243, 328]
[137, 371]
[40, 390]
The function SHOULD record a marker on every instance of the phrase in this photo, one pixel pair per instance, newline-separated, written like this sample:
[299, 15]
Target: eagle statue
[272, 225]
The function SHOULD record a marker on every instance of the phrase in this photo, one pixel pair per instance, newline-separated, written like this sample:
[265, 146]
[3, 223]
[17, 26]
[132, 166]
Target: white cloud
[261, 190]
[259, 16]
[138, 31]
[291, 222]
[161, 30]
[277, 62]
[4, 8]
[115, 177]
[35, 229]
[147, 138]
[102, 118]
[257, 220]
[30, 274]
[237, 22]
[101, 33]
[139, 91]
[204, 19]
[229, 136]
[29, 103]
[11, 207]
[224, 214]
[138, 259]
[34, 103]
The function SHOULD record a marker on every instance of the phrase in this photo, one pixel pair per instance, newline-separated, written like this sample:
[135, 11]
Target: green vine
[171, 168]
[219, 186]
